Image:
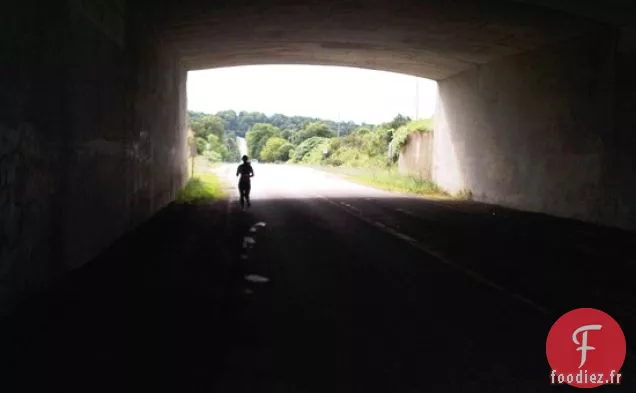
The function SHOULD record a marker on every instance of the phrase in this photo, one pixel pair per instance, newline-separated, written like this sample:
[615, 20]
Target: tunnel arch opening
[458, 44]
[376, 121]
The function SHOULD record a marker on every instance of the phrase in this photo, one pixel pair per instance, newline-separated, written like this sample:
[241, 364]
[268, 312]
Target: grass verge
[388, 180]
[400, 183]
[201, 188]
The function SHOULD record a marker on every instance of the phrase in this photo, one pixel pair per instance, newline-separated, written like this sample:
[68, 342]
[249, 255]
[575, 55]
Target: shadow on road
[326, 296]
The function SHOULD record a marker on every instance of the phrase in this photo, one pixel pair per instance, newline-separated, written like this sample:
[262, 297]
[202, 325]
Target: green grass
[388, 179]
[464, 194]
[400, 183]
[201, 188]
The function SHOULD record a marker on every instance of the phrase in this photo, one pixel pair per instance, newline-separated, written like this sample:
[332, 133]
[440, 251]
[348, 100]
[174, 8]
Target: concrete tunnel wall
[545, 131]
[92, 136]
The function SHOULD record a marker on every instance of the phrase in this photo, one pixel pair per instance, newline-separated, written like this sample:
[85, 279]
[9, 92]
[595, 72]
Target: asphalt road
[325, 286]
[375, 291]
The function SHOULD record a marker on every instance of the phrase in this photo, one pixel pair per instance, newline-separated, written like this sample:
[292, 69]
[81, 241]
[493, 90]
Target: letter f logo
[584, 347]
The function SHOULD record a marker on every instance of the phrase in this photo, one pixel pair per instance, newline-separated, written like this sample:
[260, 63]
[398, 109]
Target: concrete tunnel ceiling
[431, 39]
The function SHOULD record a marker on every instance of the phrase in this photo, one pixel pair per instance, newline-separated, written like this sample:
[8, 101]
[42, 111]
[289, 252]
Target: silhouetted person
[245, 172]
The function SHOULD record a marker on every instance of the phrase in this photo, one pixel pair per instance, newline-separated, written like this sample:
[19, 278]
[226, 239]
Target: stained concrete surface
[542, 131]
[426, 38]
[92, 135]
[348, 306]
[416, 157]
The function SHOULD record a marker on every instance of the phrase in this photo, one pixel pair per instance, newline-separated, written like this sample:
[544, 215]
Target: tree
[308, 145]
[270, 150]
[257, 136]
[229, 120]
[214, 143]
[284, 152]
[247, 120]
[240, 123]
[314, 129]
[201, 144]
[286, 134]
[398, 121]
[233, 153]
[195, 115]
[208, 125]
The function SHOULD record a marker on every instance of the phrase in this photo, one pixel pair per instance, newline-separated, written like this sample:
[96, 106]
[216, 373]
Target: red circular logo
[585, 348]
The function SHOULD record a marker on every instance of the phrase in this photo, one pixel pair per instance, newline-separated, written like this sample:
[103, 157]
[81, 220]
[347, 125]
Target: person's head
[245, 158]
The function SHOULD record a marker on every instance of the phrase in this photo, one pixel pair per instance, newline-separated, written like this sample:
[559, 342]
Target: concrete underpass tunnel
[535, 108]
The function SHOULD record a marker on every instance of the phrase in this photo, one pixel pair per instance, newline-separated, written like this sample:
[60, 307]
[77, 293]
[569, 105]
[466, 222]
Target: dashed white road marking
[255, 278]
[427, 249]
[407, 212]
[248, 241]
[345, 204]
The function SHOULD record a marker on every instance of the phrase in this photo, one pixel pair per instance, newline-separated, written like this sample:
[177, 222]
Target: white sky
[355, 94]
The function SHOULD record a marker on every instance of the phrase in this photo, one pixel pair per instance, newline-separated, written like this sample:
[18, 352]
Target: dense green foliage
[276, 149]
[314, 143]
[280, 138]
[283, 154]
[311, 130]
[365, 147]
[257, 137]
[207, 125]
[211, 140]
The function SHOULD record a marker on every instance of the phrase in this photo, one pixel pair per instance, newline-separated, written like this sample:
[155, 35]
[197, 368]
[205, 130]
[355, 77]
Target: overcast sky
[327, 92]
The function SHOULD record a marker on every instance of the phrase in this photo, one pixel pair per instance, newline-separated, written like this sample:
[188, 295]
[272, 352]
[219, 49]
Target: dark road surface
[363, 292]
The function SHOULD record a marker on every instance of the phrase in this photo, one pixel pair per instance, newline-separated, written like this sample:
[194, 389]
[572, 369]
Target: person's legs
[242, 193]
[248, 188]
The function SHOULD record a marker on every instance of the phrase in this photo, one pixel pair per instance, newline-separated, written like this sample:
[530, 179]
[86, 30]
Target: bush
[314, 129]
[333, 161]
[306, 147]
[357, 157]
[258, 136]
[284, 152]
[317, 154]
[202, 188]
[212, 156]
[201, 145]
[270, 150]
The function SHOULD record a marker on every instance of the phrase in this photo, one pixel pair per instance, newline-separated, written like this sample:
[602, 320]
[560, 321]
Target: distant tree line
[316, 143]
[239, 123]
[281, 138]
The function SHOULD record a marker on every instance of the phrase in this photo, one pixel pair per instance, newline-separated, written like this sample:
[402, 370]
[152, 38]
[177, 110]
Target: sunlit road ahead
[373, 291]
[287, 181]
[322, 286]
